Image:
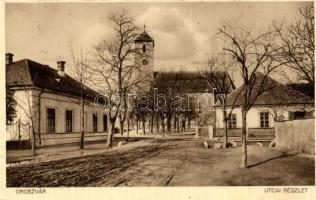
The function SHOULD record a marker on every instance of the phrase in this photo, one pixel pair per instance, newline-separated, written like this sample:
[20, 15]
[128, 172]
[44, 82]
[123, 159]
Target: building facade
[49, 100]
[280, 103]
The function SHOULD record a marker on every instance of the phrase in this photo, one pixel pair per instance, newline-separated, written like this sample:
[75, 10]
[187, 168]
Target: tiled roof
[30, 73]
[278, 94]
[144, 37]
[189, 82]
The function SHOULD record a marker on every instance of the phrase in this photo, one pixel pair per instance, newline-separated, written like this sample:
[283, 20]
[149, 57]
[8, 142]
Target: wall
[253, 115]
[203, 106]
[252, 132]
[298, 135]
[24, 105]
[60, 103]
[147, 71]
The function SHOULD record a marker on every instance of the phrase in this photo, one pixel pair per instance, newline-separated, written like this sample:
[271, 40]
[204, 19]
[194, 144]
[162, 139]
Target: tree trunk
[163, 124]
[127, 135]
[174, 123]
[137, 125]
[144, 126]
[157, 123]
[152, 123]
[225, 129]
[33, 140]
[178, 124]
[169, 124]
[82, 125]
[111, 133]
[149, 124]
[184, 123]
[132, 120]
[19, 131]
[244, 139]
[121, 127]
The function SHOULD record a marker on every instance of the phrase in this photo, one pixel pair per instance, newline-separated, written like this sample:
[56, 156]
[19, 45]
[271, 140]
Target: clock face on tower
[145, 61]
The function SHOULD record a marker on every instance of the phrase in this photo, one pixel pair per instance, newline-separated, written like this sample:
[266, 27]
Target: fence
[18, 135]
[55, 139]
[262, 133]
[298, 135]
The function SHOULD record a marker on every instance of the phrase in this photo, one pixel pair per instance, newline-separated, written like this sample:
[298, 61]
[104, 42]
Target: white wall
[24, 105]
[298, 135]
[253, 115]
[61, 103]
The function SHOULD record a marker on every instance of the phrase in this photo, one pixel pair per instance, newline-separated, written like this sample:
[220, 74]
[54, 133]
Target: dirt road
[174, 162]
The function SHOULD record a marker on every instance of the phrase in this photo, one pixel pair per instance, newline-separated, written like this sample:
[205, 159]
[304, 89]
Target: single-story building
[279, 103]
[52, 99]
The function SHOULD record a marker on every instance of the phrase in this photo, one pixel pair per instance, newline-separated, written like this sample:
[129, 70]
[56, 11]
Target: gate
[18, 135]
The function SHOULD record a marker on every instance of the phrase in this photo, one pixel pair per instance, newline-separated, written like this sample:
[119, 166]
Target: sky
[184, 33]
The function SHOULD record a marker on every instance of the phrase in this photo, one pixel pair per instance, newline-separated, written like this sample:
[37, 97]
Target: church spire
[144, 27]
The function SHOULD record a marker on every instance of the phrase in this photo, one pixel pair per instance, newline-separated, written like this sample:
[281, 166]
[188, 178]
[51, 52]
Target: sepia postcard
[157, 100]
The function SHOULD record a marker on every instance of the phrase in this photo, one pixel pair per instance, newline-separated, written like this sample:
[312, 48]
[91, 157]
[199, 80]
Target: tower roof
[144, 37]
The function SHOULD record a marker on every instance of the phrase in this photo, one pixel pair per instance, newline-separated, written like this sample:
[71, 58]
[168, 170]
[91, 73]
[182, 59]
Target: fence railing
[18, 131]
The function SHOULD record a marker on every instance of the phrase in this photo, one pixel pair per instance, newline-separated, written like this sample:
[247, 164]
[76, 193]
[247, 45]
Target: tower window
[145, 62]
[144, 48]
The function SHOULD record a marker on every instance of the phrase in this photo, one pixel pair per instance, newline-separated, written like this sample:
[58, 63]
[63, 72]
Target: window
[144, 48]
[145, 62]
[51, 120]
[105, 123]
[299, 115]
[264, 120]
[95, 122]
[68, 121]
[232, 121]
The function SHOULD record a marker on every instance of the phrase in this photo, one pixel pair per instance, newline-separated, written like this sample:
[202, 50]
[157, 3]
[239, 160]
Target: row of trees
[113, 71]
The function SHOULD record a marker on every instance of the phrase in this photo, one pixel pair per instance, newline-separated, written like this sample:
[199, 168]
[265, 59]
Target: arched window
[144, 48]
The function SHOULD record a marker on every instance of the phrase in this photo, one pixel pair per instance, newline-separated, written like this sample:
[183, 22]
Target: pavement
[173, 161]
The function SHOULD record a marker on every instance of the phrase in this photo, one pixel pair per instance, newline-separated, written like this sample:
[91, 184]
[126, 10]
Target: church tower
[144, 57]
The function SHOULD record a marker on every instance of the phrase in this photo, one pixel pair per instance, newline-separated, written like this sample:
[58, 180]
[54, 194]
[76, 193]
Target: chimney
[8, 58]
[61, 68]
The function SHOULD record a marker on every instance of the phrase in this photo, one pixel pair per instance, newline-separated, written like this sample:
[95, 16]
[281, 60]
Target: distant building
[280, 103]
[52, 98]
[198, 95]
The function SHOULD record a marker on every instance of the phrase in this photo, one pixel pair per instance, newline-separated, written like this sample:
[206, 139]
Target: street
[178, 161]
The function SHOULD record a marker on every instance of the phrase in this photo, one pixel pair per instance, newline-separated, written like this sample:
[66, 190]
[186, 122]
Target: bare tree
[256, 57]
[166, 84]
[25, 104]
[116, 68]
[222, 83]
[81, 72]
[297, 45]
